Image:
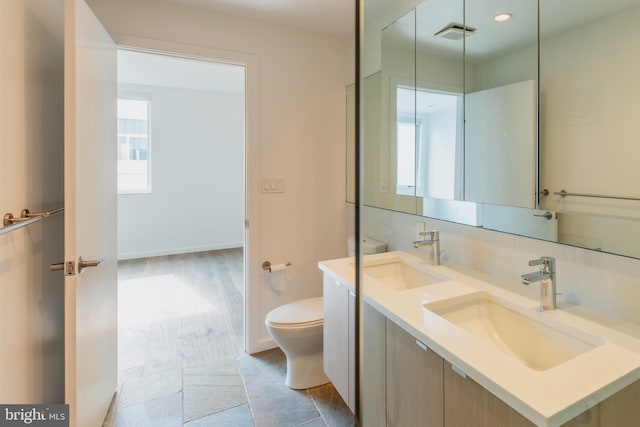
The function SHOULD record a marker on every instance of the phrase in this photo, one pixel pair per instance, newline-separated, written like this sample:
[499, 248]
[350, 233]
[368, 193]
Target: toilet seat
[297, 314]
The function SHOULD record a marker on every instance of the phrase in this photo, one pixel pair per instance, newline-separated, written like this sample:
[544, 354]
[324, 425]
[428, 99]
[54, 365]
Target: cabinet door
[351, 349]
[621, 409]
[467, 403]
[373, 391]
[413, 381]
[336, 335]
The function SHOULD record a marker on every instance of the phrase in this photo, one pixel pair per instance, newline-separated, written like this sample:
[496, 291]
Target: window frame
[137, 96]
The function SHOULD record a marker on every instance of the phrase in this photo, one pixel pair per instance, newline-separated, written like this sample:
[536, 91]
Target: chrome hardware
[563, 193]
[458, 371]
[547, 278]
[433, 241]
[547, 215]
[82, 264]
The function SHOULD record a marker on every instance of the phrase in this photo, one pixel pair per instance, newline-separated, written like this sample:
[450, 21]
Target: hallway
[180, 351]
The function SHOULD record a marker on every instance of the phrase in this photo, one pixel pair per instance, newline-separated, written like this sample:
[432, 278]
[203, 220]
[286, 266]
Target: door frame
[251, 177]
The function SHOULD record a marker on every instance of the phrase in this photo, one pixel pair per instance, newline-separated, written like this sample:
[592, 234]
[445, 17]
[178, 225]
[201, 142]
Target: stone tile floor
[247, 391]
[180, 352]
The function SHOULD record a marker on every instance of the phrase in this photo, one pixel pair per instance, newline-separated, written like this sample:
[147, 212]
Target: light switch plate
[272, 185]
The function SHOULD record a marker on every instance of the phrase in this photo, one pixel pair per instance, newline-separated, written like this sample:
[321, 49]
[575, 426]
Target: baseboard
[177, 251]
[262, 345]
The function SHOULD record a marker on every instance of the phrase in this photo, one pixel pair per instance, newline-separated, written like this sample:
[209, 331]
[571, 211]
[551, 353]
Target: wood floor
[179, 311]
[181, 359]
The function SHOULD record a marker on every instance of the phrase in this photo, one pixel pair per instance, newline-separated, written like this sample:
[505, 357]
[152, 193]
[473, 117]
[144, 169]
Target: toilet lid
[306, 311]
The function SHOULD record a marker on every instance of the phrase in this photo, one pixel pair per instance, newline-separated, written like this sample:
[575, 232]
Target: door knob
[69, 266]
[82, 264]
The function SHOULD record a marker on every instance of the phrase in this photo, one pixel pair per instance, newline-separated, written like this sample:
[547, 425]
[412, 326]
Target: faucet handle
[545, 261]
[432, 234]
[537, 261]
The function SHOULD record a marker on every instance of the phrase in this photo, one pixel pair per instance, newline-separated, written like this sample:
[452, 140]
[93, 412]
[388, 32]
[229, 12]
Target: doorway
[181, 243]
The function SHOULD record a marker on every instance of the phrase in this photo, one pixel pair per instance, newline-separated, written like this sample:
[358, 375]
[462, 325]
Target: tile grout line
[317, 407]
[246, 393]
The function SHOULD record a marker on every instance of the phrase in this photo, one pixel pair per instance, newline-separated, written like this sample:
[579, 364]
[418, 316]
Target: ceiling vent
[455, 32]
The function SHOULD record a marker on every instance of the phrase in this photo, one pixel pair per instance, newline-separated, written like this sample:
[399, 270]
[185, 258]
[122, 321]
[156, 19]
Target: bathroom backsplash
[609, 284]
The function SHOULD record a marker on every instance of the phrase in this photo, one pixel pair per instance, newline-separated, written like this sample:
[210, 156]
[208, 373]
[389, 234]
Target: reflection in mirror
[500, 103]
[589, 68]
[577, 120]
[398, 127]
[350, 145]
[439, 100]
[407, 130]
[439, 144]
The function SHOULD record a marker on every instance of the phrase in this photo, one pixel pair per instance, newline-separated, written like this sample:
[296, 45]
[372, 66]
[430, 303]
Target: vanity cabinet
[373, 391]
[402, 379]
[406, 384]
[467, 403]
[339, 338]
[414, 376]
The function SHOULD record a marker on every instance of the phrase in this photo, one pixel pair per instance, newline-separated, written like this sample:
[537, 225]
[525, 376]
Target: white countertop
[547, 398]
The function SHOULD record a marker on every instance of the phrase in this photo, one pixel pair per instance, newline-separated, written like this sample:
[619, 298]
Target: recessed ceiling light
[502, 17]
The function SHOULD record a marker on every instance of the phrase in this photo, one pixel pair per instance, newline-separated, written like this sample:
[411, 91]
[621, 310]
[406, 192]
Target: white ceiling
[335, 17]
[169, 71]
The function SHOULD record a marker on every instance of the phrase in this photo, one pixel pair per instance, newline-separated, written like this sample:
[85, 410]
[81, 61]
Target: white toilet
[297, 328]
[368, 246]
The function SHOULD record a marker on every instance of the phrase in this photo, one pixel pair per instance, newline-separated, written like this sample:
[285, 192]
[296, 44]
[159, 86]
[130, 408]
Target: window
[134, 169]
[406, 157]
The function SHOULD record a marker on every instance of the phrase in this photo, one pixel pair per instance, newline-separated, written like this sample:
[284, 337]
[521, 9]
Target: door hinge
[246, 223]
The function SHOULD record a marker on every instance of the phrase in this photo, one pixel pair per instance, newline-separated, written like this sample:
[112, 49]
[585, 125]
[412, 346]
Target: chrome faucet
[547, 278]
[432, 239]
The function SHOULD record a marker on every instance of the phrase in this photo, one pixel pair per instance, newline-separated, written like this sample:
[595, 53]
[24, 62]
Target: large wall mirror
[523, 122]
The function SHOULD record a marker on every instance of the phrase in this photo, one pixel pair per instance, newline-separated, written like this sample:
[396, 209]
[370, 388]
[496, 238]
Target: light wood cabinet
[620, 410]
[374, 389]
[351, 350]
[405, 385]
[413, 381]
[338, 338]
[468, 404]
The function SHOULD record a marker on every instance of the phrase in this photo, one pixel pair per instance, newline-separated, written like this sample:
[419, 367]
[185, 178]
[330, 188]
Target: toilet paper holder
[267, 265]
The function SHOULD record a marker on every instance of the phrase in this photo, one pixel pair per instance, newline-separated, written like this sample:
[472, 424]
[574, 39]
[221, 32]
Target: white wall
[197, 143]
[298, 135]
[31, 176]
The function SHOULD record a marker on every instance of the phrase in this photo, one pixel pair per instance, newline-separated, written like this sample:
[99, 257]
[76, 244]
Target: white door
[90, 216]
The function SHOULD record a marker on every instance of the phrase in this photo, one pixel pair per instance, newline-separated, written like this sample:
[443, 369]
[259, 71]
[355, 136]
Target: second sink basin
[399, 274]
[536, 341]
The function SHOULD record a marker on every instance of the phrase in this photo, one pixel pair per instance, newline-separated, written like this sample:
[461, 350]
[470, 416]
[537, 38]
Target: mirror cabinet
[514, 116]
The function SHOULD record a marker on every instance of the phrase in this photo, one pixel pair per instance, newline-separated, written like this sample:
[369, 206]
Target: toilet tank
[369, 246]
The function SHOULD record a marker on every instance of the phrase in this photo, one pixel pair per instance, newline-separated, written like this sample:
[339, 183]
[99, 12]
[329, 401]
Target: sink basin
[531, 337]
[398, 274]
